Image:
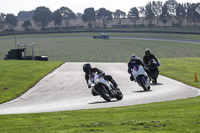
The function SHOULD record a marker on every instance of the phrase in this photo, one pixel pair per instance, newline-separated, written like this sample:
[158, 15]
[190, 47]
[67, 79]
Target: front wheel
[119, 94]
[148, 88]
[141, 81]
[154, 76]
[154, 81]
[104, 92]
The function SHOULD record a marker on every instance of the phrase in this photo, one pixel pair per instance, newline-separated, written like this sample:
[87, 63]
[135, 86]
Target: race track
[66, 89]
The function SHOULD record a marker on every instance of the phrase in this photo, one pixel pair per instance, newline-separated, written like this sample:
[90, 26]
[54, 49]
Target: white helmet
[133, 58]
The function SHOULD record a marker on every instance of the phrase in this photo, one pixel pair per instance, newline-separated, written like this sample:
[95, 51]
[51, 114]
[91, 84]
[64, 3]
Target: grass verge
[182, 69]
[180, 116]
[16, 77]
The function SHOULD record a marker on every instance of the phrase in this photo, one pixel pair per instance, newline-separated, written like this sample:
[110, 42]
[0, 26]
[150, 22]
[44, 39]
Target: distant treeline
[155, 13]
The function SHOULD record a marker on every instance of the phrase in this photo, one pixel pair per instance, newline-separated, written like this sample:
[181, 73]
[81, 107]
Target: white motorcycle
[141, 77]
[104, 88]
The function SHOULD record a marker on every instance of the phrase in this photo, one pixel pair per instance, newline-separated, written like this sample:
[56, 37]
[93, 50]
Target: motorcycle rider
[149, 56]
[133, 62]
[90, 71]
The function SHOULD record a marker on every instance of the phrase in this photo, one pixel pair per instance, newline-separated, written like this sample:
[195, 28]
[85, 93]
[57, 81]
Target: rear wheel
[104, 92]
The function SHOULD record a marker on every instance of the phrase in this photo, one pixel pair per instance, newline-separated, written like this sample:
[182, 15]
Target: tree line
[169, 11]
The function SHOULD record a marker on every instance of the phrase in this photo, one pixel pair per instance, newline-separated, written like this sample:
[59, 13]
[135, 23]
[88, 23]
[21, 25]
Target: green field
[180, 116]
[60, 48]
[16, 77]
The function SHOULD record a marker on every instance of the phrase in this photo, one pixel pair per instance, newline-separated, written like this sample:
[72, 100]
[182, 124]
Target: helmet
[87, 68]
[147, 52]
[133, 58]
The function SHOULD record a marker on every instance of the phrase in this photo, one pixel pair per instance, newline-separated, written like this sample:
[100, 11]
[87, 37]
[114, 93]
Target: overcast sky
[14, 6]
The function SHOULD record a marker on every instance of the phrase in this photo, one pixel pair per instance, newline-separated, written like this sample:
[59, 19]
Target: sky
[14, 6]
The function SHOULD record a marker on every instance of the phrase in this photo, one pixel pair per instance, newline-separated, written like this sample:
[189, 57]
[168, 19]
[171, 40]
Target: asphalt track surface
[129, 38]
[65, 89]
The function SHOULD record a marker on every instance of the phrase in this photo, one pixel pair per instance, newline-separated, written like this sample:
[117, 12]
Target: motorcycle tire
[154, 76]
[140, 80]
[119, 94]
[154, 81]
[148, 88]
[104, 92]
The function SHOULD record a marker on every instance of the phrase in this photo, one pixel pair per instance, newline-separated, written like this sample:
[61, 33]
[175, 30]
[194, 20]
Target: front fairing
[95, 79]
[138, 70]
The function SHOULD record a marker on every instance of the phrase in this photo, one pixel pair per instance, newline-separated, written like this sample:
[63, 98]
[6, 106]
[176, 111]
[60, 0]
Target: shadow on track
[156, 84]
[141, 91]
[103, 102]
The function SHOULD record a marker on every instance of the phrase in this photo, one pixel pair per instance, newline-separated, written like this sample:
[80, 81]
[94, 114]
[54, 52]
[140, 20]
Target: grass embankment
[16, 77]
[182, 69]
[169, 117]
[59, 48]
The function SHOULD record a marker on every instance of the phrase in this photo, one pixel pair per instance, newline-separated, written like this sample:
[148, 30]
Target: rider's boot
[132, 78]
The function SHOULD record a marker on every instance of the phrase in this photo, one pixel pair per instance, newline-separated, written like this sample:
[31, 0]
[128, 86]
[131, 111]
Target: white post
[33, 50]
[25, 51]
[18, 45]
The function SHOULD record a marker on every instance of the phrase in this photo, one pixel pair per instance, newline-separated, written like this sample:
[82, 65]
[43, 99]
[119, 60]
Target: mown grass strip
[182, 69]
[91, 50]
[16, 77]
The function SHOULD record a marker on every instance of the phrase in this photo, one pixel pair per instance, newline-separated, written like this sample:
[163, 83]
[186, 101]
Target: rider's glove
[102, 74]
[129, 71]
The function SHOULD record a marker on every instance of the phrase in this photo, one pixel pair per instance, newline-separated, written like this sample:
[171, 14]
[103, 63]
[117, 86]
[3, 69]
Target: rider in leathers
[133, 62]
[89, 70]
[148, 57]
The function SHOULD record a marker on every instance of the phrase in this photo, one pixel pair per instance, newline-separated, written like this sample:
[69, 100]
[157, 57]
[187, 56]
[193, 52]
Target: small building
[20, 54]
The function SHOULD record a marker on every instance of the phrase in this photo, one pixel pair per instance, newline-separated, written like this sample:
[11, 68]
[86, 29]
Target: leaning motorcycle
[153, 70]
[104, 88]
[141, 77]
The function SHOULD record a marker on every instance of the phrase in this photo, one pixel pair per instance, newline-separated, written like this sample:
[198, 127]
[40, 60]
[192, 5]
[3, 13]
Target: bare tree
[149, 13]
[157, 9]
[133, 15]
[180, 13]
[171, 6]
[2, 20]
[119, 15]
[142, 13]
[165, 14]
